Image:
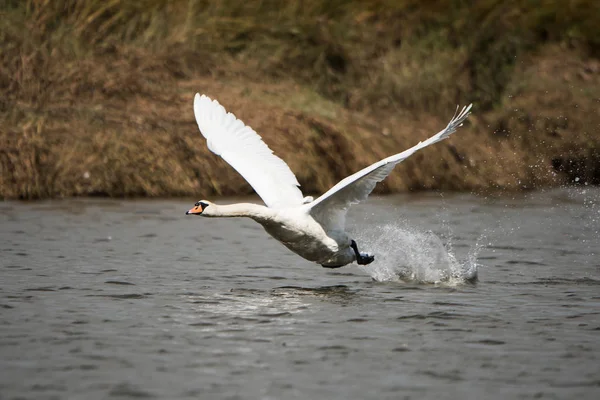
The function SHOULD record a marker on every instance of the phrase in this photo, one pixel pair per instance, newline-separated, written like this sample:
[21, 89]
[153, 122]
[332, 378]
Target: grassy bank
[95, 97]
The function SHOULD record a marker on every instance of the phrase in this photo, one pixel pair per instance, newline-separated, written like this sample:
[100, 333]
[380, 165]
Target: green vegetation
[96, 95]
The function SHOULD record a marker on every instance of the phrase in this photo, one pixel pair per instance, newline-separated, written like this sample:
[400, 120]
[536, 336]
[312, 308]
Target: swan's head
[199, 207]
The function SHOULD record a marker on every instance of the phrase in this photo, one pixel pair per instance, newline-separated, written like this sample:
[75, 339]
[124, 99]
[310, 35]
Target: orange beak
[196, 210]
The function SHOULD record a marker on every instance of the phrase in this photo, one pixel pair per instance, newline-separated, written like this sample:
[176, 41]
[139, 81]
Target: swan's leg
[361, 258]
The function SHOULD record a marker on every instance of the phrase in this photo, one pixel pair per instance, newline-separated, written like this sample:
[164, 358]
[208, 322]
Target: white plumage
[245, 151]
[315, 229]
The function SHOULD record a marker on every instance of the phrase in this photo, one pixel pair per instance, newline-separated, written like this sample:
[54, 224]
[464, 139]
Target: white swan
[315, 229]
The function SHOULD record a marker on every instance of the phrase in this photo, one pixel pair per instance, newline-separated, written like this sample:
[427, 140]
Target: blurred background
[96, 96]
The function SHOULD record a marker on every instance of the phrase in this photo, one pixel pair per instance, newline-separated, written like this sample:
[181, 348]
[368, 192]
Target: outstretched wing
[330, 209]
[245, 151]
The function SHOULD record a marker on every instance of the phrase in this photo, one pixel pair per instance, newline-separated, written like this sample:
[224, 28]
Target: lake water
[103, 299]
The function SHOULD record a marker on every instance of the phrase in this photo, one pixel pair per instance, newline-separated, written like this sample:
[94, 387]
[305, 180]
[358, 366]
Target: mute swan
[313, 229]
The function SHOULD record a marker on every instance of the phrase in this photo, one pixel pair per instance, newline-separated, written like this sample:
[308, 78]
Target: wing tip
[202, 98]
[206, 108]
[198, 98]
[457, 120]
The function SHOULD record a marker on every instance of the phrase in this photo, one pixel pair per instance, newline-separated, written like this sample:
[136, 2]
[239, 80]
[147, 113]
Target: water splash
[403, 254]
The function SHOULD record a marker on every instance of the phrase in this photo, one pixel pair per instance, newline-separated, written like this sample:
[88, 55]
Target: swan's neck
[254, 211]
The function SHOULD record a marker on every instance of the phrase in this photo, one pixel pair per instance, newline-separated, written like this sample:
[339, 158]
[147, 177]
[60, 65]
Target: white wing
[245, 151]
[330, 209]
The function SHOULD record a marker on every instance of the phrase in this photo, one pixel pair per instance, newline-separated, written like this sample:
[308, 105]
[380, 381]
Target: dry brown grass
[96, 96]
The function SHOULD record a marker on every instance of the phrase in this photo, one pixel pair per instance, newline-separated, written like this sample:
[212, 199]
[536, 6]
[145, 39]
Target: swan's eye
[201, 204]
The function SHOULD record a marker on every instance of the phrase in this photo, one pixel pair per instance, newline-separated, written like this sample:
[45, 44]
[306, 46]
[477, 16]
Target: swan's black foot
[365, 259]
[361, 258]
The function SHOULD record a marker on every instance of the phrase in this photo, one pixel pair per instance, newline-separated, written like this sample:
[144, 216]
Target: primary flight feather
[244, 150]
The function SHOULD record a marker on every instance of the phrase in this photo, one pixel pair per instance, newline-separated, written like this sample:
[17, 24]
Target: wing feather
[330, 209]
[244, 150]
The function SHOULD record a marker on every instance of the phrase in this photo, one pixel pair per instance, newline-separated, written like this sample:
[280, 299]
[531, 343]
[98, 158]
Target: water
[103, 299]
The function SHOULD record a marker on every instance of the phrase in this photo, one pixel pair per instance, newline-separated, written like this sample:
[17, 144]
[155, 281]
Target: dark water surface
[103, 299]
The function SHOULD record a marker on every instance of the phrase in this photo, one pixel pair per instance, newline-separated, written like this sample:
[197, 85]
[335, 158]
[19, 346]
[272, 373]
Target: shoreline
[109, 111]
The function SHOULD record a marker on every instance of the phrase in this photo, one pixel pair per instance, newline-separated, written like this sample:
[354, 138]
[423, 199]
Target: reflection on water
[131, 299]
